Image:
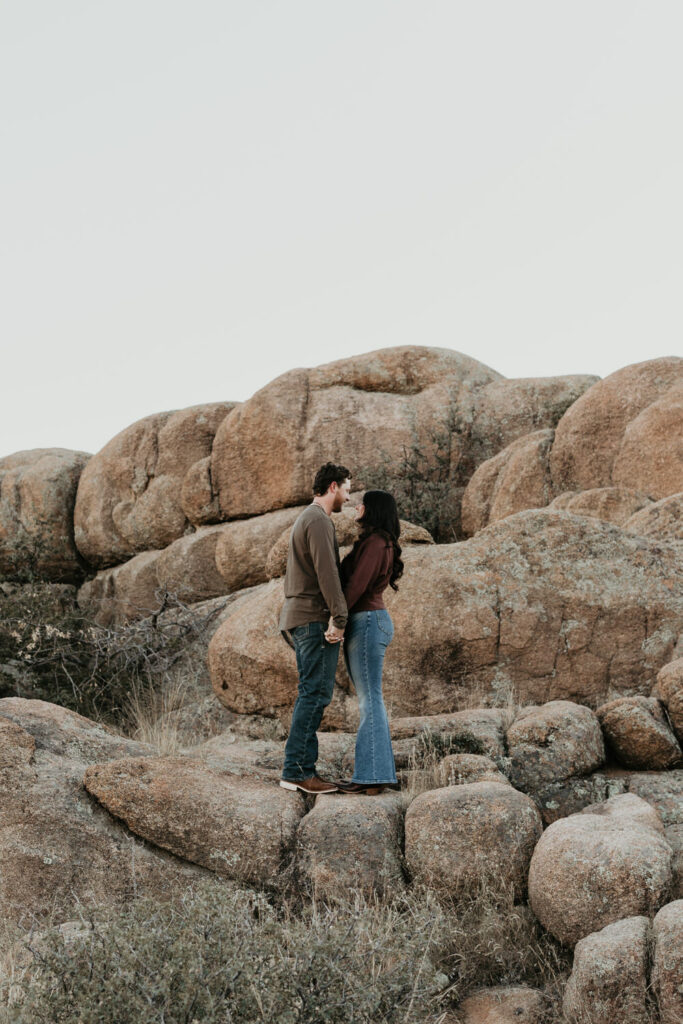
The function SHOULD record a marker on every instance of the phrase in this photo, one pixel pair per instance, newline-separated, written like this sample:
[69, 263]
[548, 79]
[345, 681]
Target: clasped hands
[332, 634]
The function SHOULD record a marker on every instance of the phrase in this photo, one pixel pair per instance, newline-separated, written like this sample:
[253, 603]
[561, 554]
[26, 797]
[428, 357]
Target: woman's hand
[334, 635]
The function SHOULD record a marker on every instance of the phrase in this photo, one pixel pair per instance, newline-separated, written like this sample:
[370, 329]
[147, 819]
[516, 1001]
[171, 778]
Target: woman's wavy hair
[381, 516]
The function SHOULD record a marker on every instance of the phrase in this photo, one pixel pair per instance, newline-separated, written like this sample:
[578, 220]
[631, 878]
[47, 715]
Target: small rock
[504, 1004]
[669, 689]
[352, 842]
[609, 978]
[667, 972]
[553, 742]
[458, 769]
[457, 836]
[637, 731]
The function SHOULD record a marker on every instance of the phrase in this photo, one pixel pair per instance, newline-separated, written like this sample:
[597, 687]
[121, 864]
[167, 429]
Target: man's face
[341, 494]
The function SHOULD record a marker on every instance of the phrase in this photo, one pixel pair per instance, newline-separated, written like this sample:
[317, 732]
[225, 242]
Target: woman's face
[360, 511]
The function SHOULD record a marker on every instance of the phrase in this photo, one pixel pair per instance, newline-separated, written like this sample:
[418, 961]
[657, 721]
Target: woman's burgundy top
[365, 573]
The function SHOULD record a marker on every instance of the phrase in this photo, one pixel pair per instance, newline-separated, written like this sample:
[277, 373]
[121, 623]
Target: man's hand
[332, 634]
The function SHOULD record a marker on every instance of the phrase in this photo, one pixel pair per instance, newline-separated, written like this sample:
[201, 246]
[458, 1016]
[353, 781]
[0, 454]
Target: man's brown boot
[314, 785]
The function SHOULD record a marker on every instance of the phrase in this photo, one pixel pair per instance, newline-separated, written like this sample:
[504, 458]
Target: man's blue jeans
[368, 634]
[316, 661]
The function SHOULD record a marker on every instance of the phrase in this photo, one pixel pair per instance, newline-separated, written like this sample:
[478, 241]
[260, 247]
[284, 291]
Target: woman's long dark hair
[381, 516]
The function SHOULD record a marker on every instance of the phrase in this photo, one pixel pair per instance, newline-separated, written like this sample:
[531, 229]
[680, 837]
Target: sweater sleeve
[321, 547]
[369, 562]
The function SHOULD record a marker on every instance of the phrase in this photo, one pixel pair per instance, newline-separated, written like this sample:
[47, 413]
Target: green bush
[230, 957]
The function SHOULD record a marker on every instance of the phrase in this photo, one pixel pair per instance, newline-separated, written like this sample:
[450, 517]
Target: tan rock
[662, 519]
[549, 605]
[517, 478]
[197, 499]
[243, 553]
[267, 451]
[37, 497]
[560, 799]
[346, 530]
[122, 594]
[129, 500]
[510, 409]
[674, 837]
[457, 836]
[613, 504]
[57, 847]
[609, 979]
[351, 842]
[596, 867]
[667, 972]
[599, 441]
[669, 689]
[187, 567]
[237, 826]
[662, 790]
[650, 457]
[423, 741]
[458, 769]
[363, 411]
[550, 743]
[638, 733]
[504, 1004]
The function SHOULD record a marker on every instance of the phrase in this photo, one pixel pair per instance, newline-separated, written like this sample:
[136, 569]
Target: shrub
[423, 481]
[50, 650]
[222, 956]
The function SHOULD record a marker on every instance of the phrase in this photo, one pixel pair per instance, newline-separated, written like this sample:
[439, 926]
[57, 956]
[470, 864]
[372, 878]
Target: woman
[373, 564]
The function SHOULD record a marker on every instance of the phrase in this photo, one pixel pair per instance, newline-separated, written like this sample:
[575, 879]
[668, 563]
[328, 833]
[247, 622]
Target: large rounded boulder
[458, 837]
[37, 498]
[366, 410]
[608, 862]
[130, 498]
[553, 742]
[624, 431]
[516, 478]
[58, 848]
[662, 519]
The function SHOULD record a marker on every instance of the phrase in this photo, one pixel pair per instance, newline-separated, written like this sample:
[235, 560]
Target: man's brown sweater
[312, 586]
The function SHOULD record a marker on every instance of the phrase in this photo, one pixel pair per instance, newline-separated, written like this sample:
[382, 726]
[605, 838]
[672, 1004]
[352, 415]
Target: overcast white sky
[197, 196]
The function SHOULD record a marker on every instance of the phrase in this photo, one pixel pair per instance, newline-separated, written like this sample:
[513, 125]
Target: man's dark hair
[328, 474]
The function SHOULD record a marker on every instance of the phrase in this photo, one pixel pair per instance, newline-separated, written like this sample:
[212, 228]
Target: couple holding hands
[328, 605]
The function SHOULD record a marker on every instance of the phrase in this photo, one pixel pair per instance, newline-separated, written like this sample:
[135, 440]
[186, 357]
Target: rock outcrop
[515, 479]
[267, 451]
[57, 846]
[37, 497]
[591, 869]
[554, 605]
[130, 498]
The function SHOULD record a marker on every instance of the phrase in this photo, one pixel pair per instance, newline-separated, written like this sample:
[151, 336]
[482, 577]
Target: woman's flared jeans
[368, 634]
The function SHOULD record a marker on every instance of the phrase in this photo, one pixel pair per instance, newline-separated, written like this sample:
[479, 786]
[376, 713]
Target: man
[312, 620]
